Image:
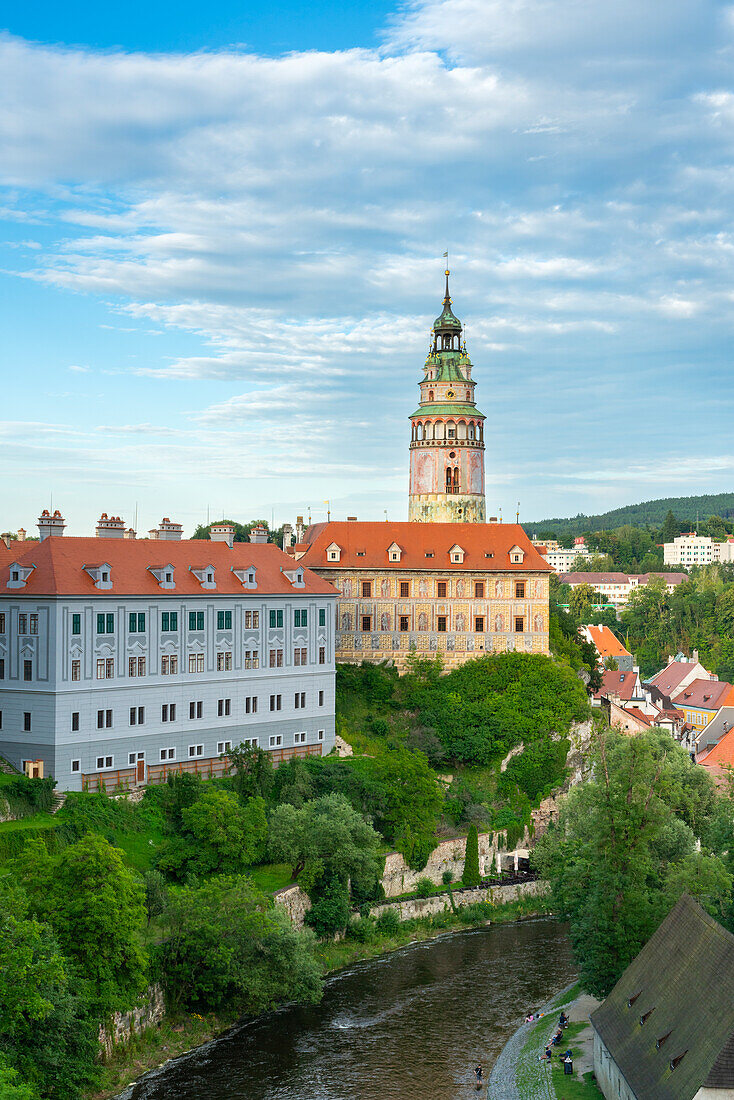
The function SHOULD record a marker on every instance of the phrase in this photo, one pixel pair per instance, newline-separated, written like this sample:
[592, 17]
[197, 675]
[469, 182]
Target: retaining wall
[150, 1011]
[398, 878]
[296, 903]
[495, 895]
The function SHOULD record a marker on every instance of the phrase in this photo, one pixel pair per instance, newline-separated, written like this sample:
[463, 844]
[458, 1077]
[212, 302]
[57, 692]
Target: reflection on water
[411, 1024]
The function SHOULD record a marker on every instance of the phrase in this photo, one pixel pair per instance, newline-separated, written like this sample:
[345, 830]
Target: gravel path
[520, 1059]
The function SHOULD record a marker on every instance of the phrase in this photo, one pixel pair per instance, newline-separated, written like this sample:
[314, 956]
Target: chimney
[129, 534]
[299, 529]
[694, 656]
[222, 532]
[110, 527]
[49, 525]
[21, 534]
[287, 536]
[167, 531]
[259, 534]
[493, 519]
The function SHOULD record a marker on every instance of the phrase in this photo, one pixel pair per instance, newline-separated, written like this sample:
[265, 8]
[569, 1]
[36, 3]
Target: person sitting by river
[563, 1020]
[529, 1017]
[548, 1054]
[557, 1038]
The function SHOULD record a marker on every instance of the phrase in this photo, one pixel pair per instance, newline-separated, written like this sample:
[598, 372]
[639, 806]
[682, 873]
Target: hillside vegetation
[649, 512]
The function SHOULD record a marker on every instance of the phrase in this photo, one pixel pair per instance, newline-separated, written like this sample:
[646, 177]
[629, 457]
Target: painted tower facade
[447, 433]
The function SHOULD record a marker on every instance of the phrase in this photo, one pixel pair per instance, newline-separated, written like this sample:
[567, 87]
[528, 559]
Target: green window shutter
[272, 618]
[322, 616]
[280, 618]
[296, 618]
[227, 620]
[304, 617]
[110, 624]
[141, 622]
[164, 621]
[199, 620]
[76, 624]
[133, 622]
[100, 624]
[192, 620]
[220, 620]
[174, 620]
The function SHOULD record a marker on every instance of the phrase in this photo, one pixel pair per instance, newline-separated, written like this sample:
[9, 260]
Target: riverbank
[178, 1035]
[521, 1073]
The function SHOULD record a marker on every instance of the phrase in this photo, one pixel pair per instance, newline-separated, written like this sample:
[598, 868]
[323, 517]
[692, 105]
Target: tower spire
[447, 298]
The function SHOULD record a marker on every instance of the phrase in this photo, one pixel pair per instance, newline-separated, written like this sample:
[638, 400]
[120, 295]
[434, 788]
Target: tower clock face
[450, 393]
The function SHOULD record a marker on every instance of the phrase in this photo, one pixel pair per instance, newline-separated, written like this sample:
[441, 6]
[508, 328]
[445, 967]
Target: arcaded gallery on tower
[446, 582]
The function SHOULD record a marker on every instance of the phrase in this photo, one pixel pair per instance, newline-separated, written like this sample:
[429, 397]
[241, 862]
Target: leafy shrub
[471, 876]
[447, 877]
[380, 726]
[424, 888]
[476, 913]
[388, 922]
[27, 796]
[361, 929]
[539, 768]
[426, 740]
[329, 912]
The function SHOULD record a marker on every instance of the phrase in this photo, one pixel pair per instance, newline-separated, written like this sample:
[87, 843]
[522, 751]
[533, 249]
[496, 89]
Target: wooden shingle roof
[682, 985]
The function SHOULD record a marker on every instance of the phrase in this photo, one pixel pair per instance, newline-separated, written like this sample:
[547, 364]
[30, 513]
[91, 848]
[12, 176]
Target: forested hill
[638, 515]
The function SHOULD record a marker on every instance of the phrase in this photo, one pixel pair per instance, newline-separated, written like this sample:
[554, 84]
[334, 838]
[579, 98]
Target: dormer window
[205, 576]
[333, 552]
[19, 574]
[164, 575]
[394, 552]
[295, 576]
[247, 577]
[517, 555]
[100, 574]
[456, 554]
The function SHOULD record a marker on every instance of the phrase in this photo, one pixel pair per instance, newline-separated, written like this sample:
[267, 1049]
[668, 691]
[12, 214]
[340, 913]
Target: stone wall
[123, 1025]
[296, 903]
[495, 895]
[398, 878]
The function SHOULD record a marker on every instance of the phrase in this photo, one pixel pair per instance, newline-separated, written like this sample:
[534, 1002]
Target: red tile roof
[594, 578]
[668, 679]
[59, 568]
[721, 755]
[703, 694]
[617, 683]
[646, 719]
[486, 546]
[607, 643]
[669, 578]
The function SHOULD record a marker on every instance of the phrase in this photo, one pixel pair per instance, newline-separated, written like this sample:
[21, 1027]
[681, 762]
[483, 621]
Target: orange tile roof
[646, 719]
[617, 683]
[59, 567]
[704, 695]
[486, 546]
[607, 643]
[721, 755]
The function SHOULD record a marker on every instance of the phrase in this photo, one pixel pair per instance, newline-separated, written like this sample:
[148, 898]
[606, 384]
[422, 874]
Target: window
[300, 656]
[300, 617]
[299, 700]
[196, 750]
[252, 659]
[104, 762]
[252, 741]
[366, 623]
[164, 712]
[404, 623]
[276, 658]
[196, 662]
[275, 741]
[224, 708]
[276, 619]
[106, 624]
[34, 624]
[322, 654]
[196, 620]
[2, 623]
[441, 624]
[478, 590]
[441, 590]
[75, 721]
[100, 719]
[28, 670]
[76, 670]
[27, 721]
[196, 709]
[322, 616]
[109, 667]
[321, 698]
[165, 665]
[137, 716]
[23, 624]
[132, 666]
[224, 746]
[518, 624]
[276, 702]
[168, 754]
[366, 588]
[251, 704]
[321, 735]
[520, 590]
[224, 620]
[299, 738]
[479, 624]
[252, 619]
[404, 590]
[76, 766]
[169, 621]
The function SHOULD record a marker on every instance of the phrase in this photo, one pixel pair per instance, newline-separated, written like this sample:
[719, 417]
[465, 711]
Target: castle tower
[447, 433]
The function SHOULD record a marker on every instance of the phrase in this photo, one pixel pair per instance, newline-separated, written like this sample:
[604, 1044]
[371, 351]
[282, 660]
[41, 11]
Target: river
[412, 1024]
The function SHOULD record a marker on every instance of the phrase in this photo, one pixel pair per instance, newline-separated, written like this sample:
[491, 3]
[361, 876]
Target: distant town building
[666, 1031]
[123, 660]
[617, 587]
[608, 646]
[561, 560]
[458, 591]
[701, 700]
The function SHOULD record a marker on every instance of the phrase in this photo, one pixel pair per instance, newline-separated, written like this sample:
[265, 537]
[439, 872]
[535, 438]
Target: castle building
[123, 660]
[447, 433]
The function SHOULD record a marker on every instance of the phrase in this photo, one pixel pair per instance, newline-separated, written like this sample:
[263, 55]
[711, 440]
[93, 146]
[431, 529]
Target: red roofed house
[458, 590]
[677, 674]
[608, 646]
[700, 700]
[124, 659]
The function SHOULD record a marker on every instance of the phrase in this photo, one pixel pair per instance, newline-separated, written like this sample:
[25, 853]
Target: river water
[412, 1024]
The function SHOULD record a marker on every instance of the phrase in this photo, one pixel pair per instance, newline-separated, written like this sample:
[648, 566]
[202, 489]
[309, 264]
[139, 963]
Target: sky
[221, 241]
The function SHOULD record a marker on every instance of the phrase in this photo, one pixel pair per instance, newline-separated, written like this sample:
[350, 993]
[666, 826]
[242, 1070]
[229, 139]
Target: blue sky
[222, 231]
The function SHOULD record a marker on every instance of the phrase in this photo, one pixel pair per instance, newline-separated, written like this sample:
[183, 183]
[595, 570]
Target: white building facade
[690, 549]
[121, 660]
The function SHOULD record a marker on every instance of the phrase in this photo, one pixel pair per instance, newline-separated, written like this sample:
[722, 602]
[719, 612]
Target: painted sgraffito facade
[447, 433]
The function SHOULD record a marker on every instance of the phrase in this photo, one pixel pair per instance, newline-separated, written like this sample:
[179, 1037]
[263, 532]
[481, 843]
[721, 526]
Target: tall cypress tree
[471, 876]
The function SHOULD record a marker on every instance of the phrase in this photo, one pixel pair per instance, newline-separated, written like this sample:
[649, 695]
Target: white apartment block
[123, 659]
[561, 561]
[688, 550]
[616, 587]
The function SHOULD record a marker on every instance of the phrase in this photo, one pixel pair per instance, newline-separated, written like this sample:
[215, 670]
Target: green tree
[582, 600]
[471, 876]
[623, 852]
[670, 529]
[227, 947]
[218, 834]
[411, 803]
[327, 833]
[330, 910]
[11, 1088]
[252, 771]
